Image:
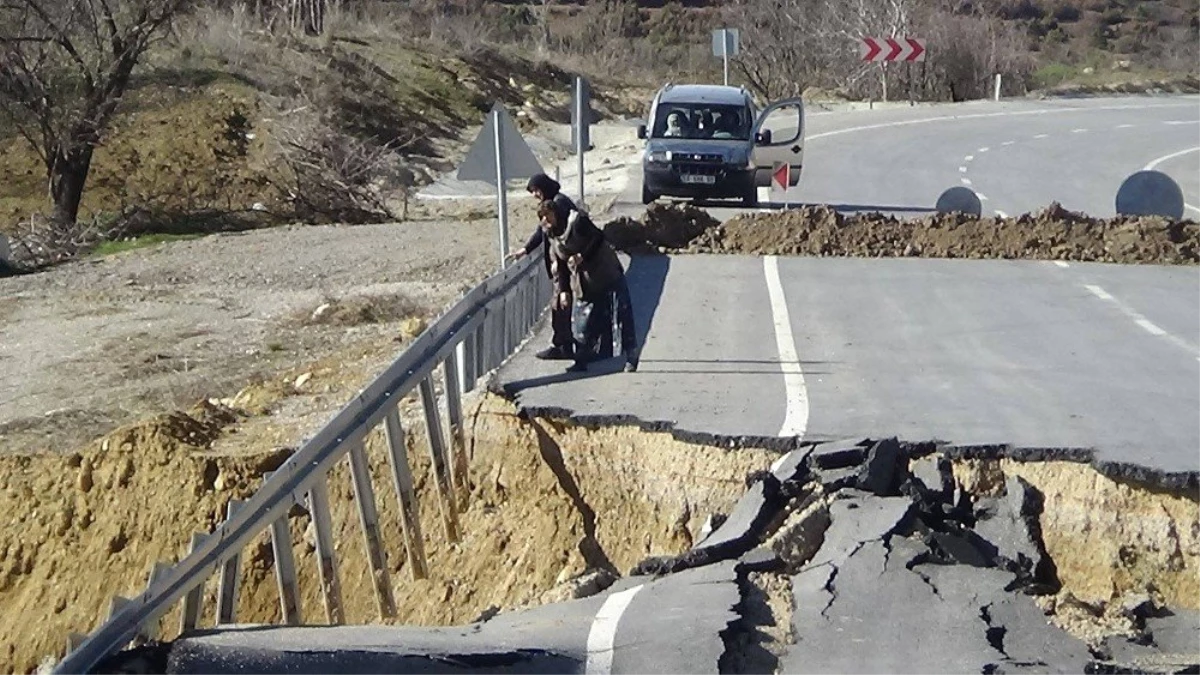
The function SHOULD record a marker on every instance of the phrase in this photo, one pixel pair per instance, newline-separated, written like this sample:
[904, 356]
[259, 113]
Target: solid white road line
[1125, 126]
[795, 418]
[1155, 162]
[603, 634]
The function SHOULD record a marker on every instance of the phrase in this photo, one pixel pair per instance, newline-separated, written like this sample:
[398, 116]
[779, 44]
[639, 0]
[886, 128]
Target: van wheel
[647, 195]
[750, 198]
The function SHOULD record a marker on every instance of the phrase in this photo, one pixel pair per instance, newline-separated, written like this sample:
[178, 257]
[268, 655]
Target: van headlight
[658, 156]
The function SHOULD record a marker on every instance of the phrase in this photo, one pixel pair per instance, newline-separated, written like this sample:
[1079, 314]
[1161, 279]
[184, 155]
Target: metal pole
[725, 40]
[579, 108]
[501, 188]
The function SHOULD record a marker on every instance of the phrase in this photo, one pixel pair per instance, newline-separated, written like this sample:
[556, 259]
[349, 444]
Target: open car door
[779, 137]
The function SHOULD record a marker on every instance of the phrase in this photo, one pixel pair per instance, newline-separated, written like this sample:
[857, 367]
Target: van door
[779, 137]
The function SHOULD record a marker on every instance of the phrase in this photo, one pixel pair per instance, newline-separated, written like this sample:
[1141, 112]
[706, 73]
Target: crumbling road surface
[864, 555]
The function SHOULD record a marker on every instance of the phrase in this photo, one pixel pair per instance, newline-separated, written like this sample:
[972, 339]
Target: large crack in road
[859, 556]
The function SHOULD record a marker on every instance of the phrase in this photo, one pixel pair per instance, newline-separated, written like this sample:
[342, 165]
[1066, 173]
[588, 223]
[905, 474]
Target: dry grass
[359, 310]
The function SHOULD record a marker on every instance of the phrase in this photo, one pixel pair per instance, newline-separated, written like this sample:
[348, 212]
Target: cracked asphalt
[905, 575]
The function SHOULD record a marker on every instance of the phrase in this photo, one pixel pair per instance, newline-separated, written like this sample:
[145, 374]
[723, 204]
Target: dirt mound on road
[1052, 234]
[664, 226]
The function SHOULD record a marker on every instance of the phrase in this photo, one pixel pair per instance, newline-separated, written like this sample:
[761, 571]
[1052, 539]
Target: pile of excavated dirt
[1052, 234]
[550, 505]
[664, 226]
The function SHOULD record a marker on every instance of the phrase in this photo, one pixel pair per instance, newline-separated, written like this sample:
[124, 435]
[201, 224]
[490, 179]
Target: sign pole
[501, 188]
[579, 144]
[725, 40]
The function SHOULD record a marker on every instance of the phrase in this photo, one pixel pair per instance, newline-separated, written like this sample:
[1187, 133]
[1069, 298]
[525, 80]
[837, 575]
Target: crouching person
[586, 267]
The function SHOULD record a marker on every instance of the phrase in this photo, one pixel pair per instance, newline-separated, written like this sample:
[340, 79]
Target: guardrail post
[189, 614]
[149, 630]
[285, 567]
[285, 571]
[331, 585]
[469, 376]
[74, 640]
[368, 517]
[437, 453]
[227, 587]
[410, 515]
[460, 467]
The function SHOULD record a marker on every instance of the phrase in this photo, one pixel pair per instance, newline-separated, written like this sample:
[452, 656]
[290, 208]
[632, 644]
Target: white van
[708, 141]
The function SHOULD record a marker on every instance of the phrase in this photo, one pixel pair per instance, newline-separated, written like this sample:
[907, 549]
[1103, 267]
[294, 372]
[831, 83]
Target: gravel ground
[97, 343]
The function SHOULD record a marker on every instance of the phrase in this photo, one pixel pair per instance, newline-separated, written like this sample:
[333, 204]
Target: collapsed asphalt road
[858, 556]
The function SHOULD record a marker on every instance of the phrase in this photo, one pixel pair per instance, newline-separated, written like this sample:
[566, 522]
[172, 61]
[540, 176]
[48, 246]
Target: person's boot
[556, 353]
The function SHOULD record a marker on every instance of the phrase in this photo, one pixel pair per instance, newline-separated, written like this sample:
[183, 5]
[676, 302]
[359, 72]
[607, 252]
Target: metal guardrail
[489, 323]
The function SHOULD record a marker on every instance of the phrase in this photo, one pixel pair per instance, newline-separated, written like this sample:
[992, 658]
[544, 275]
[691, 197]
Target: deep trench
[638, 475]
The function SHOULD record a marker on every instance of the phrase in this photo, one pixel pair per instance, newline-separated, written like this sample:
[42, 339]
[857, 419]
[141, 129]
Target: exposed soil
[1052, 234]
[671, 225]
[548, 504]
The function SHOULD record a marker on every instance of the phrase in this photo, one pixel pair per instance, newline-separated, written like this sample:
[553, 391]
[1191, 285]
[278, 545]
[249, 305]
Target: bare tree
[64, 66]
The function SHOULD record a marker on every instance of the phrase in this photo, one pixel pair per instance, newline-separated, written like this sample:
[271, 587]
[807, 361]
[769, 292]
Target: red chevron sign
[892, 49]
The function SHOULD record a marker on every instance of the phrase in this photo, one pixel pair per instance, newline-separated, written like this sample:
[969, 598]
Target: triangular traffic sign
[480, 162]
[779, 181]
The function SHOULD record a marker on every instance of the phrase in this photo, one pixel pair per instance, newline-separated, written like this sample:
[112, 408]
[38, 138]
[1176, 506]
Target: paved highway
[1018, 155]
[1029, 353]
[639, 625]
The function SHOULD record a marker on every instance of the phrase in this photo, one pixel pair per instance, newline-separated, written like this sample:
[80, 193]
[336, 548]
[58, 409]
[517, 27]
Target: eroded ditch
[557, 509]
[549, 503]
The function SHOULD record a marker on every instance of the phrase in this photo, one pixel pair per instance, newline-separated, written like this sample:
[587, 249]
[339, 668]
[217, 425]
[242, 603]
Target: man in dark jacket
[543, 187]
[586, 267]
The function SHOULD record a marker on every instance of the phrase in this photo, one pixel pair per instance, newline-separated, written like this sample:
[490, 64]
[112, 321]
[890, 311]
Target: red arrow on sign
[896, 49]
[780, 175]
[873, 49]
[917, 49]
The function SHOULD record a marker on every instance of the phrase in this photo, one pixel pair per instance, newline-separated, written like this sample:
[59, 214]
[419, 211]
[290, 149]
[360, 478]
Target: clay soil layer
[548, 502]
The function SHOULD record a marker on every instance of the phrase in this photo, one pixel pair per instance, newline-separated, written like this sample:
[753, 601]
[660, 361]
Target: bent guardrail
[489, 323]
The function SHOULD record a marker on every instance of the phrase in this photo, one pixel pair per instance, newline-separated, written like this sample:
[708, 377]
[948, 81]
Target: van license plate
[702, 179]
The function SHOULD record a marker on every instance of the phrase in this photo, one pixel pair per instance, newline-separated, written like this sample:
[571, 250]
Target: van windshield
[701, 121]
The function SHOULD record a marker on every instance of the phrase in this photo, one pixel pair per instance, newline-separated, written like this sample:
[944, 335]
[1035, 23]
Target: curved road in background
[1035, 354]
[1018, 155]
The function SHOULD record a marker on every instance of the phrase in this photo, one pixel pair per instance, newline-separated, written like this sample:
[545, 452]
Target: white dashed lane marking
[1141, 321]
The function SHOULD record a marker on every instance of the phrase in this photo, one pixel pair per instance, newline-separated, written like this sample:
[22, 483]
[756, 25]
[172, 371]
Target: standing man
[544, 188]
